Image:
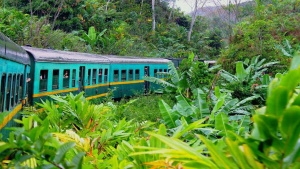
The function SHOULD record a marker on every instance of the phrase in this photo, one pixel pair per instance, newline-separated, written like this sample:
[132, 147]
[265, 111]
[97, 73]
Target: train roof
[50, 55]
[11, 51]
[135, 59]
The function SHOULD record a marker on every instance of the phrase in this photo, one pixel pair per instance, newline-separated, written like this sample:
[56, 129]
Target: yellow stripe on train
[87, 87]
[97, 96]
[10, 115]
[54, 92]
[127, 82]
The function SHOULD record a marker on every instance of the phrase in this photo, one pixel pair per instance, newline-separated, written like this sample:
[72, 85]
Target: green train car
[61, 72]
[14, 73]
[29, 75]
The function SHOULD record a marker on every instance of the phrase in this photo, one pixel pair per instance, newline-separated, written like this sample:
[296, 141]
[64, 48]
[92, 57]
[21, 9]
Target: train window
[55, 80]
[66, 80]
[105, 75]
[2, 92]
[26, 89]
[73, 77]
[21, 88]
[155, 72]
[123, 75]
[13, 90]
[160, 75]
[165, 75]
[94, 76]
[130, 74]
[8, 91]
[43, 80]
[89, 76]
[116, 75]
[17, 96]
[100, 76]
[137, 74]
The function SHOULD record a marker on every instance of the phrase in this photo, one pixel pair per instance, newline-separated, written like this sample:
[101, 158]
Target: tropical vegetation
[241, 113]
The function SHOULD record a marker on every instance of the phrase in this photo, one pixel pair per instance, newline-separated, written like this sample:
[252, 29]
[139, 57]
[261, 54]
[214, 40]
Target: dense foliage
[120, 27]
[242, 114]
[211, 129]
[272, 24]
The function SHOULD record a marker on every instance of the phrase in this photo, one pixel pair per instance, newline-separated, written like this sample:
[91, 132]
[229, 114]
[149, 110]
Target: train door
[81, 78]
[8, 91]
[146, 83]
[2, 92]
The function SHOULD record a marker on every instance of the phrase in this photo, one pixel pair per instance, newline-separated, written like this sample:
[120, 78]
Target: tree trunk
[106, 6]
[172, 10]
[142, 3]
[59, 8]
[153, 15]
[194, 16]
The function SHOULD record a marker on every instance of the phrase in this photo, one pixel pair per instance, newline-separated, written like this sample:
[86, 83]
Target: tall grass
[141, 108]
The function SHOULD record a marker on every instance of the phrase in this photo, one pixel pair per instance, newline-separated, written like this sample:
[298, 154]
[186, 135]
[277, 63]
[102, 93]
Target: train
[30, 74]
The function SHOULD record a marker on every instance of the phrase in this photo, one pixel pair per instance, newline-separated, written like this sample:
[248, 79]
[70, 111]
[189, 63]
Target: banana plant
[190, 110]
[274, 141]
[176, 83]
[255, 69]
[92, 37]
[287, 49]
[248, 81]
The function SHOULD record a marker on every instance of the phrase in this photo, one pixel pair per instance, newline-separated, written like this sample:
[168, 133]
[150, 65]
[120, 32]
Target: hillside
[225, 12]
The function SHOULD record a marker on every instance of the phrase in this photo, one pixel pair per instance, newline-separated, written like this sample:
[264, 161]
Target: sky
[187, 5]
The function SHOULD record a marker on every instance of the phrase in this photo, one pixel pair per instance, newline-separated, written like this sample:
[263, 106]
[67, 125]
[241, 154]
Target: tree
[153, 15]
[194, 15]
[225, 15]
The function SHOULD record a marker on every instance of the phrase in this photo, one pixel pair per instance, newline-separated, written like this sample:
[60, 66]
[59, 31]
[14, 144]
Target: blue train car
[127, 74]
[29, 75]
[61, 72]
[14, 73]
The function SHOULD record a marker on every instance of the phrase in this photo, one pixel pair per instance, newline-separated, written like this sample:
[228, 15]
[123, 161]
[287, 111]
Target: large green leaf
[243, 160]
[187, 128]
[218, 156]
[220, 102]
[221, 122]
[200, 103]
[277, 101]
[295, 61]
[78, 160]
[265, 127]
[91, 37]
[290, 128]
[159, 81]
[291, 79]
[168, 114]
[178, 151]
[290, 159]
[184, 107]
[241, 73]
[228, 76]
[61, 152]
[173, 73]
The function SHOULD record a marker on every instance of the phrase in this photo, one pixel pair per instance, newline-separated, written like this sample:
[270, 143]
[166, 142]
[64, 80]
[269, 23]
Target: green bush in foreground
[274, 141]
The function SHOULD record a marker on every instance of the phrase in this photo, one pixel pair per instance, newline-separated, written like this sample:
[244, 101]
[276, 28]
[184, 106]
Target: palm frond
[228, 76]
[159, 81]
[173, 73]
